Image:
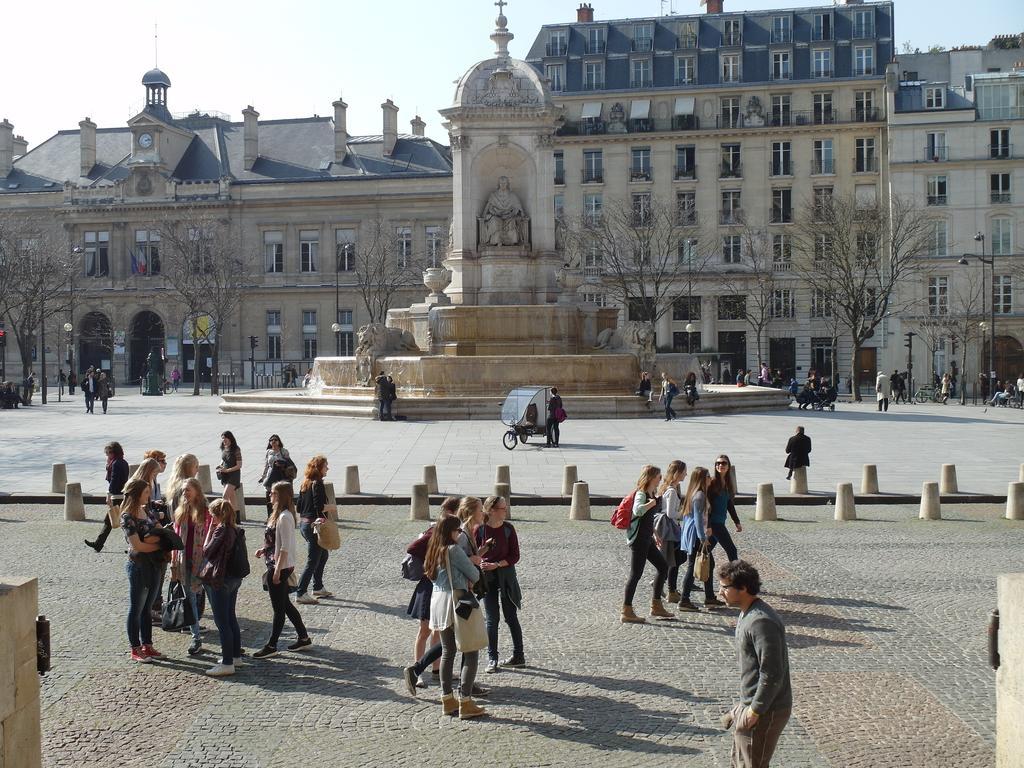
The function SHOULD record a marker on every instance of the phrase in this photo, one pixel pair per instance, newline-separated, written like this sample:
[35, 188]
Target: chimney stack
[87, 146]
[390, 126]
[714, 6]
[6, 148]
[251, 137]
[340, 130]
[585, 13]
[418, 126]
[20, 146]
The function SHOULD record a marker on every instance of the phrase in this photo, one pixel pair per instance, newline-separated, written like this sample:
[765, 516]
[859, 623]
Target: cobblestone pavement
[886, 623]
[908, 444]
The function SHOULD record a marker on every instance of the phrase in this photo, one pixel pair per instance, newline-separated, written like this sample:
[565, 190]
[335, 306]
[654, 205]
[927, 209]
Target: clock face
[145, 140]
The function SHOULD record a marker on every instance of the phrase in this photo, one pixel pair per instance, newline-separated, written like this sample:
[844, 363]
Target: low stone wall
[20, 742]
[1010, 677]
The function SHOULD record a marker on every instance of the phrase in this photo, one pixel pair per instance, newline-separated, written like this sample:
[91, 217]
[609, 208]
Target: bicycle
[928, 395]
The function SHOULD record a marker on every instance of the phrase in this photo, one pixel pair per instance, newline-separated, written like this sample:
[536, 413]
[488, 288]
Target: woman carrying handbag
[452, 574]
[696, 538]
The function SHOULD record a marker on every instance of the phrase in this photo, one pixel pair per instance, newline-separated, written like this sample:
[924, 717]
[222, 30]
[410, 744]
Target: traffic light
[3, 338]
[910, 339]
[254, 341]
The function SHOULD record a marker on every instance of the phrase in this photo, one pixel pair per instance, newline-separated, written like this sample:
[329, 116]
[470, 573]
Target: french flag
[138, 265]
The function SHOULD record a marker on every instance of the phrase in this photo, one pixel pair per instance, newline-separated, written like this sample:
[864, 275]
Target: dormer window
[732, 34]
[558, 43]
[643, 37]
[782, 31]
[688, 34]
[934, 98]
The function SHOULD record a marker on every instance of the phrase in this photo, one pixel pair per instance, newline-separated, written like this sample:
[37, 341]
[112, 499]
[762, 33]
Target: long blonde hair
[468, 508]
[700, 479]
[147, 471]
[285, 500]
[222, 510]
[180, 473]
[648, 473]
[194, 513]
[676, 471]
[133, 491]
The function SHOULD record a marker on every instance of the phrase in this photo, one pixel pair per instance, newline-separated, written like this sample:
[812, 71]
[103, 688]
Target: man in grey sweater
[767, 697]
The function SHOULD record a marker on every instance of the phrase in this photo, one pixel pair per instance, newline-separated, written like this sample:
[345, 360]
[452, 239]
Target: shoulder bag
[327, 534]
[702, 563]
[470, 630]
[176, 613]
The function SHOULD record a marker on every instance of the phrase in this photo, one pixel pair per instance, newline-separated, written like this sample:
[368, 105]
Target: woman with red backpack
[640, 537]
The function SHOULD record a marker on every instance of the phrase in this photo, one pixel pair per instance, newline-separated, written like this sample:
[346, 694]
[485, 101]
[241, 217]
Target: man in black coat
[798, 451]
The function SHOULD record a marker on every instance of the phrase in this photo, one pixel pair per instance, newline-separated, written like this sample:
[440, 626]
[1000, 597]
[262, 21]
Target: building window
[688, 251]
[999, 143]
[559, 168]
[821, 26]
[730, 112]
[938, 240]
[782, 29]
[96, 247]
[558, 206]
[781, 66]
[273, 346]
[730, 67]
[640, 73]
[732, 249]
[999, 183]
[863, 24]
[938, 295]
[345, 249]
[593, 258]
[686, 70]
[641, 209]
[1002, 294]
[600, 299]
[822, 249]
[865, 197]
[821, 64]
[1002, 237]
[638, 310]
[403, 237]
[555, 74]
[643, 37]
[686, 309]
[865, 161]
[686, 162]
[592, 205]
[686, 208]
[822, 202]
[146, 256]
[732, 307]
[731, 212]
[733, 32]
[782, 253]
[935, 146]
[309, 249]
[558, 43]
[640, 164]
[821, 354]
[780, 109]
[309, 334]
[435, 246]
[782, 303]
[593, 75]
[731, 161]
[596, 42]
[934, 98]
[821, 305]
[864, 60]
[824, 160]
[688, 34]
[864, 106]
[782, 206]
[936, 190]
[273, 251]
[823, 108]
[593, 166]
[782, 158]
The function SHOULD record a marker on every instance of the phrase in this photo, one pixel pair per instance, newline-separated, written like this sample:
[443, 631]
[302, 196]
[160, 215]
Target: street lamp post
[336, 327]
[337, 302]
[987, 261]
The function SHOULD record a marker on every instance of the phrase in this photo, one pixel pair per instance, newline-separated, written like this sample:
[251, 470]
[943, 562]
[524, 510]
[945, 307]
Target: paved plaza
[908, 444]
[885, 618]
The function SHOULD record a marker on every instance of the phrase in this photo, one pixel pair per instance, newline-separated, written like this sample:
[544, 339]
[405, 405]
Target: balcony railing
[643, 45]
[556, 49]
[864, 70]
[731, 171]
[865, 164]
[729, 216]
[683, 123]
[780, 167]
[729, 120]
[820, 165]
[866, 115]
[818, 35]
[823, 116]
[783, 117]
[593, 176]
[595, 47]
[592, 127]
[688, 172]
[593, 270]
[999, 198]
[821, 72]
[782, 74]
[734, 38]
[560, 178]
[686, 80]
[784, 265]
[1000, 151]
[641, 82]
[935, 154]
[863, 31]
[687, 217]
[782, 36]
[593, 84]
[686, 42]
[640, 174]
[781, 215]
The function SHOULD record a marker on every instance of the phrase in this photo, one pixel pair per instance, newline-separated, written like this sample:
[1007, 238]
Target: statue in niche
[755, 113]
[504, 220]
[617, 118]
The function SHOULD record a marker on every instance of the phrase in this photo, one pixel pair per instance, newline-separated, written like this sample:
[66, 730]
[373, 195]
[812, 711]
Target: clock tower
[158, 143]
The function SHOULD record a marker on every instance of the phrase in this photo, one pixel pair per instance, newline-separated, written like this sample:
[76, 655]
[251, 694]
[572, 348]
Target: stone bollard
[1020, 476]
[569, 479]
[947, 481]
[204, 478]
[332, 500]
[732, 478]
[132, 469]
[240, 503]
[419, 507]
[430, 478]
[352, 480]
[798, 483]
[845, 508]
[869, 479]
[765, 508]
[1015, 501]
[505, 490]
[930, 509]
[502, 475]
[59, 478]
[74, 505]
[579, 509]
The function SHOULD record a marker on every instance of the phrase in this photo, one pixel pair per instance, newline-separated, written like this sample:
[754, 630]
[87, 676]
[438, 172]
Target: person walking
[452, 574]
[278, 552]
[312, 509]
[191, 523]
[175, 379]
[721, 493]
[143, 555]
[898, 385]
[666, 524]
[556, 415]
[882, 390]
[62, 381]
[72, 383]
[669, 389]
[798, 452]
[89, 390]
[276, 465]
[944, 389]
[498, 545]
[221, 585]
[117, 476]
[229, 471]
[696, 536]
[766, 694]
[103, 390]
[640, 538]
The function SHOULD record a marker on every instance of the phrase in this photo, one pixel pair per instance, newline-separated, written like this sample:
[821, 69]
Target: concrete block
[1015, 501]
[204, 478]
[1010, 675]
[569, 478]
[845, 509]
[930, 508]
[419, 507]
[869, 479]
[240, 503]
[430, 478]
[798, 483]
[765, 507]
[58, 478]
[579, 509]
[22, 738]
[947, 480]
[332, 501]
[502, 474]
[505, 490]
[352, 480]
[132, 469]
[1020, 475]
[74, 505]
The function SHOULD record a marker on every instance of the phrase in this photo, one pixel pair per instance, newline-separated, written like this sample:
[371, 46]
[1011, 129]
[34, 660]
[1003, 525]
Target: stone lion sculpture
[634, 337]
[377, 340]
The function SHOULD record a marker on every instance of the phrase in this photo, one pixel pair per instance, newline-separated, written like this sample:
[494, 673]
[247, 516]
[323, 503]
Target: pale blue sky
[64, 60]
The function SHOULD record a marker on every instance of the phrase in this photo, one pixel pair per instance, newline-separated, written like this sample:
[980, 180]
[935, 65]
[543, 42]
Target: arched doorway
[1009, 358]
[146, 335]
[95, 342]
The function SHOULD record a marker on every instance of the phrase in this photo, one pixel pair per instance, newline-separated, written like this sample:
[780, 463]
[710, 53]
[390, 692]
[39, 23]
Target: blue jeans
[222, 602]
[669, 413]
[316, 560]
[511, 618]
[143, 581]
[193, 600]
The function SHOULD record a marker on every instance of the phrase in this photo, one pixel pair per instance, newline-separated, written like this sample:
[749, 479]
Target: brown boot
[450, 704]
[658, 611]
[469, 709]
[629, 617]
[673, 597]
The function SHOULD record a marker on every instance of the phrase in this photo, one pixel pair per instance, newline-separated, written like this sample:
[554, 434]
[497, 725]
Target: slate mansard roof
[293, 150]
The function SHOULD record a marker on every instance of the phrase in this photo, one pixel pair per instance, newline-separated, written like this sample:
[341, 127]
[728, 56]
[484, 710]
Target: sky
[65, 60]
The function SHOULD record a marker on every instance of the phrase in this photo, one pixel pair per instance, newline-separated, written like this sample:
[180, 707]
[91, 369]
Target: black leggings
[642, 553]
[283, 606]
[721, 535]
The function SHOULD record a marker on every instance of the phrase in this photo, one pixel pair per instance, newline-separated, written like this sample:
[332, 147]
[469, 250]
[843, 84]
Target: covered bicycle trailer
[525, 413]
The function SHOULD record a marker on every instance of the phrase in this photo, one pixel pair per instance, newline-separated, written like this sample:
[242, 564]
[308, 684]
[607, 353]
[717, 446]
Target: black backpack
[238, 560]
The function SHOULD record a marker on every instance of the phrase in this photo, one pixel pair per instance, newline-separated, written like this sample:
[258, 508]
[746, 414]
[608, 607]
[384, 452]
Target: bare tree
[753, 283]
[385, 265]
[962, 320]
[209, 269]
[645, 249]
[859, 256]
[36, 270]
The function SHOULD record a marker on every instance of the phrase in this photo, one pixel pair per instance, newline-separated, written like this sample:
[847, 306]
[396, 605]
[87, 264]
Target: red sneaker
[139, 655]
[152, 652]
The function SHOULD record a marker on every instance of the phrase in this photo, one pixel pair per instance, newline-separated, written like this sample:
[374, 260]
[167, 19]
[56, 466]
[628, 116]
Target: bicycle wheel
[509, 439]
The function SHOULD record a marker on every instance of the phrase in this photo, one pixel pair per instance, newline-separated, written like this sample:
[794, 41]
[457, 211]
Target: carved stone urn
[437, 279]
[569, 280]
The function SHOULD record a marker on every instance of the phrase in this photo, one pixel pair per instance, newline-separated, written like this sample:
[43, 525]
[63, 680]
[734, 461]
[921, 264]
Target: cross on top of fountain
[501, 36]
